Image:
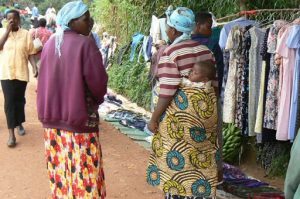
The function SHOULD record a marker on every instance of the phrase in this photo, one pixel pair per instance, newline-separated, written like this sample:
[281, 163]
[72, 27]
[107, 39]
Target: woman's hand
[153, 126]
[35, 73]
[34, 66]
[9, 26]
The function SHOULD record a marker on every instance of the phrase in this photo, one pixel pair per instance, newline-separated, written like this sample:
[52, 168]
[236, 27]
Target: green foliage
[280, 162]
[274, 157]
[124, 17]
[131, 80]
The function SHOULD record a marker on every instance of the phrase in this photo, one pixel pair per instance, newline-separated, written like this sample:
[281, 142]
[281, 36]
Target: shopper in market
[183, 162]
[203, 34]
[43, 34]
[17, 50]
[71, 85]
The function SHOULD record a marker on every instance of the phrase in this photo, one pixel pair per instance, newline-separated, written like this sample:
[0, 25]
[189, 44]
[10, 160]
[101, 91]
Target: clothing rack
[249, 13]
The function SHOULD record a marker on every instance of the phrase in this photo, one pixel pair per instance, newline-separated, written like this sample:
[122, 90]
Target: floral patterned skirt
[74, 164]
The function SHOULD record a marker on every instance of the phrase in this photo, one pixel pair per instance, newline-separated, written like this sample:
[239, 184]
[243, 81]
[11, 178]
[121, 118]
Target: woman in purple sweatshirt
[71, 85]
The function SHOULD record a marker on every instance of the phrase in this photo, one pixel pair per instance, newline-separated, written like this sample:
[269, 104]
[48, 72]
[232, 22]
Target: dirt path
[23, 169]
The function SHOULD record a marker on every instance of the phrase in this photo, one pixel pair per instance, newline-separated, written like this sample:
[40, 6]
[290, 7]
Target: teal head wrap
[68, 12]
[183, 20]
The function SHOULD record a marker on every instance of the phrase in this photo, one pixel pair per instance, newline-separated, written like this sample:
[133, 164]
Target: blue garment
[136, 39]
[183, 20]
[97, 39]
[213, 45]
[145, 45]
[35, 12]
[242, 22]
[71, 10]
[294, 42]
[6, 11]
[149, 47]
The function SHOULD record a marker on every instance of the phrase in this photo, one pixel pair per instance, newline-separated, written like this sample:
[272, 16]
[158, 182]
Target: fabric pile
[239, 184]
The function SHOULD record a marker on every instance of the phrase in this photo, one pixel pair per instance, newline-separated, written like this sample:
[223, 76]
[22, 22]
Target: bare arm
[161, 107]
[33, 64]
[5, 36]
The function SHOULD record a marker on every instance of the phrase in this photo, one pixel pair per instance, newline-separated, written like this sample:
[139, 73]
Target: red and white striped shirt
[177, 61]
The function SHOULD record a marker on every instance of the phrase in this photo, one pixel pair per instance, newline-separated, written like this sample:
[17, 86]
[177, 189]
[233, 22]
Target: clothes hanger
[269, 20]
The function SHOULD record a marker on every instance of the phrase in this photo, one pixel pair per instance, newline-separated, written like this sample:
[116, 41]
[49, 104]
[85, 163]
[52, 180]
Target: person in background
[35, 12]
[50, 15]
[6, 10]
[184, 146]
[292, 178]
[43, 34]
[202, 34]
[95, 35]
[52, 27]
[71, 85]
[16, 50]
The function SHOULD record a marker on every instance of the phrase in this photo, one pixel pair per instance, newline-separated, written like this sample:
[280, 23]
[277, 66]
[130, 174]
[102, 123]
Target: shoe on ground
[21, 130]
[11, 142]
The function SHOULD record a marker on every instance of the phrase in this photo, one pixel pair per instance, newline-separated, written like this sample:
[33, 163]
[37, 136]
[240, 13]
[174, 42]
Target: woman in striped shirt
[185, 149]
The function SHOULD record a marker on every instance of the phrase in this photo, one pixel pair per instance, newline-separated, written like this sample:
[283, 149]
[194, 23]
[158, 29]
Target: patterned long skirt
[185, 149]
[74, 164]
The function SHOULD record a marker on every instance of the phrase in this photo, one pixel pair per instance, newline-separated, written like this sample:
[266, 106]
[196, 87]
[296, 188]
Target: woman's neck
[15, 29]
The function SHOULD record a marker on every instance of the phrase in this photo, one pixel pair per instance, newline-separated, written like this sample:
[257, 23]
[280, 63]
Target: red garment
[42, 33]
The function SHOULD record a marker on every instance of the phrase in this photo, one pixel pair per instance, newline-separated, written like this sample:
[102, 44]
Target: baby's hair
[209, 68]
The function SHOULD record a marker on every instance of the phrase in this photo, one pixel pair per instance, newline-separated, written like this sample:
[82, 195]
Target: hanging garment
[155, 31]
[255, 74]
[226, 57]
[241, 22]
[234, 40]
[136, 39]
[143, 50]
[145, 45]
[272, 100]
[163, 28]
[294, 43]
[149, 47]
[288, 64]
[242, 88]
[264, 78]
[267, 135]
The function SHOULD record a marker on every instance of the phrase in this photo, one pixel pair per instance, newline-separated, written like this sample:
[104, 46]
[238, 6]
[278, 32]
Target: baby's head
[203, 71]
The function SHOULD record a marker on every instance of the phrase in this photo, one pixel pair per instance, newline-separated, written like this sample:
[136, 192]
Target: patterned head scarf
[183, 20]
[69, 11]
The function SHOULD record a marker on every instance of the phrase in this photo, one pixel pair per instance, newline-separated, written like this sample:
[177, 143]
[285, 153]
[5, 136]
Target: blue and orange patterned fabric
[185, 148]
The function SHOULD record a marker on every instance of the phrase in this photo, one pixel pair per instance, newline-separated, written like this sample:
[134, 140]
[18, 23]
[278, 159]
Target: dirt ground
[23, 169]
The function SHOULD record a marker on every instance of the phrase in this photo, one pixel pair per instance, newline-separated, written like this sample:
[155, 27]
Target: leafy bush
[124, 17]
[131, 80]
[274, 157]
